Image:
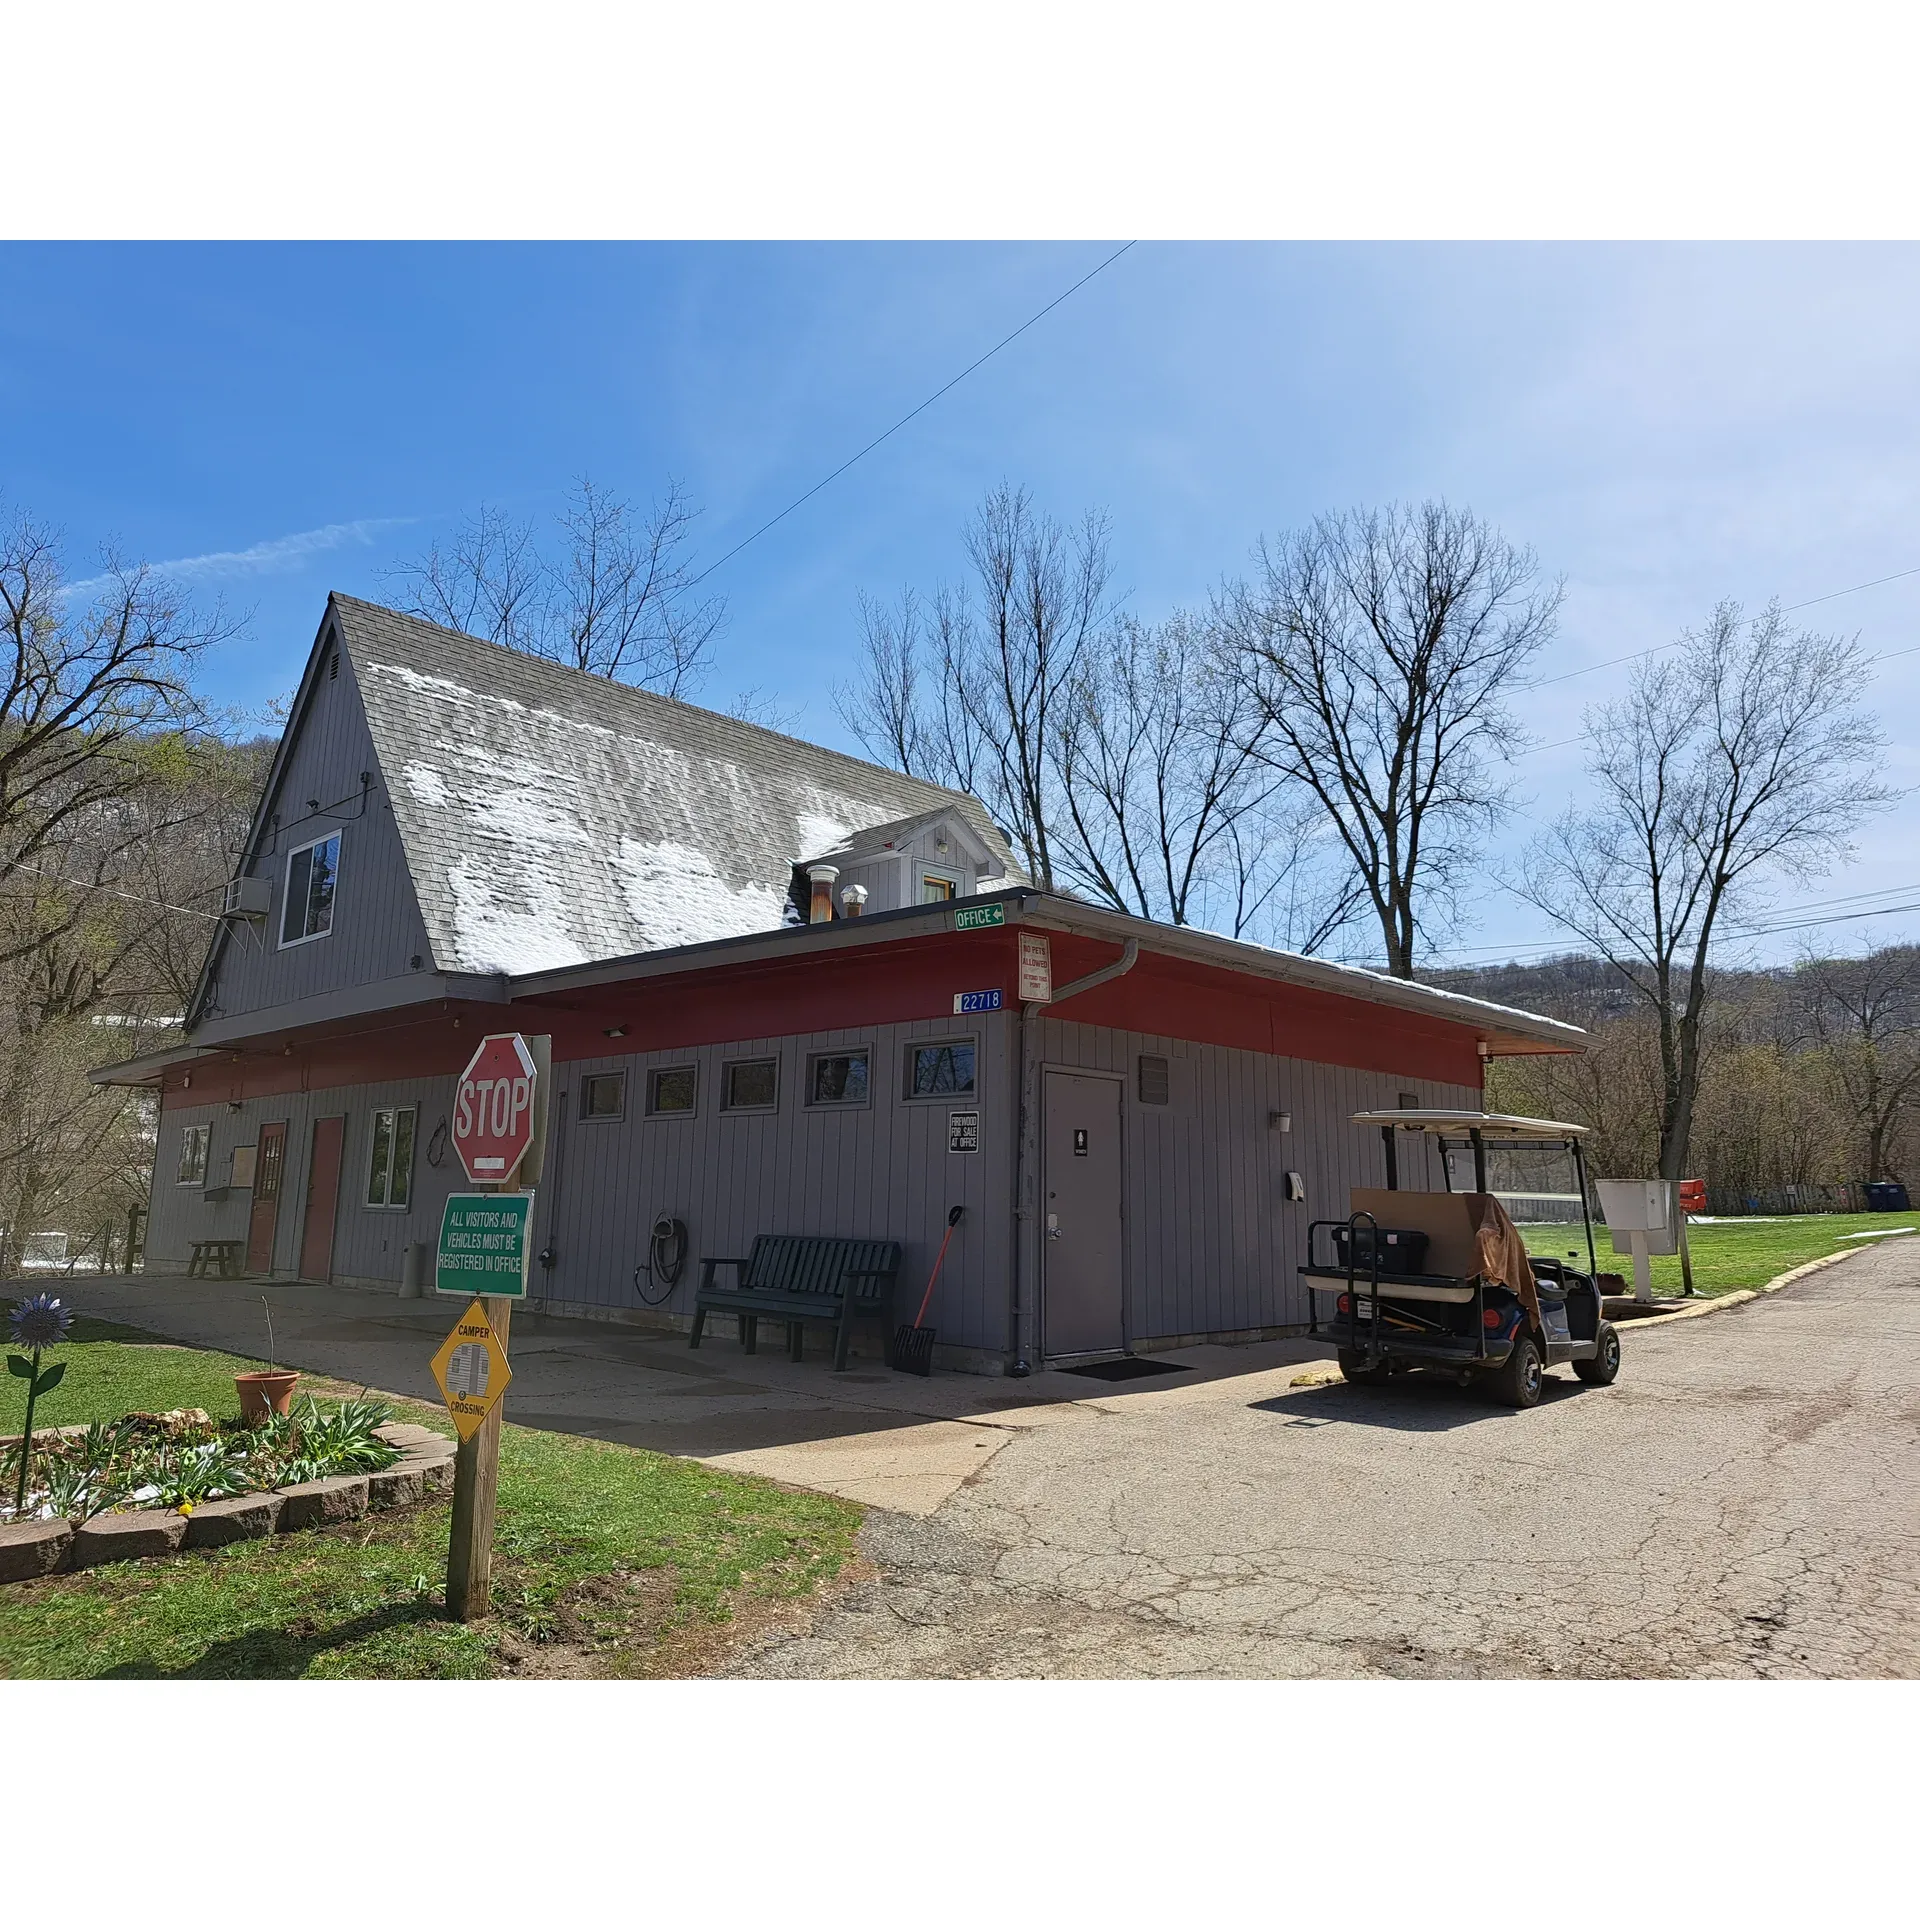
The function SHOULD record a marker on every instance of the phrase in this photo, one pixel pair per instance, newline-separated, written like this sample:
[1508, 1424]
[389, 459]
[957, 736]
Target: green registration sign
[969, 919]
[483, 1244]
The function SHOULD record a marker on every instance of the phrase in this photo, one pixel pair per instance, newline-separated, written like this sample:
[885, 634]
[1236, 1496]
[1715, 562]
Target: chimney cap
[823, 875]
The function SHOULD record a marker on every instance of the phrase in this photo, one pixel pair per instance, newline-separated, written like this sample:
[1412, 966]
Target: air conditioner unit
[247, 899]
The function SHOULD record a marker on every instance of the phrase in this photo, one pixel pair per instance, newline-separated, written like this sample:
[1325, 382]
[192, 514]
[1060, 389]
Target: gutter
[1026, 1170]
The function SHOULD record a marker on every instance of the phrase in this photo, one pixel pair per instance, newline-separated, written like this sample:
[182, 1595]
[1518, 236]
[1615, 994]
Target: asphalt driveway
[1744, 1501]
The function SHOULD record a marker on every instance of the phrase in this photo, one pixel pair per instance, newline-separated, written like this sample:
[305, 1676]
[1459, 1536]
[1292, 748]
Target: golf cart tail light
[1491, 1317]
[1344, 1304]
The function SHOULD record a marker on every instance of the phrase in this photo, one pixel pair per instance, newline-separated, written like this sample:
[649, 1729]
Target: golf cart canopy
[1490, 1126]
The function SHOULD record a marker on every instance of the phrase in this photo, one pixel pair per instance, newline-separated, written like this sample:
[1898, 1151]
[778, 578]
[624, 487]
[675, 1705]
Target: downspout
[1026, 1213]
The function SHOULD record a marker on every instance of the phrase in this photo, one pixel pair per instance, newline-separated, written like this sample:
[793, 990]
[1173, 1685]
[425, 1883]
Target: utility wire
[906, 417]
[1667, 646]
[1872, 659]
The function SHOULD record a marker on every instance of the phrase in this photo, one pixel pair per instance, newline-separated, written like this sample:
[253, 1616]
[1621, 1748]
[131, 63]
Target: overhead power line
[1031, 321]
[1667, 646]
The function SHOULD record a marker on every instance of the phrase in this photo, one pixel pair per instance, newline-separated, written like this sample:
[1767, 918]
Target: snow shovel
[913, 1346]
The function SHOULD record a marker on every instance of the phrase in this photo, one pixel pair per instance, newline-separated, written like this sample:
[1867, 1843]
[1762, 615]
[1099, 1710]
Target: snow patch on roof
[677, 898]
[551, 819]
[494, 936]
[425, 784]
[824, 832]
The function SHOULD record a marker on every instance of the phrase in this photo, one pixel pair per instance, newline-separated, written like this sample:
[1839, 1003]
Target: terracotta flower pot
[265, 1392]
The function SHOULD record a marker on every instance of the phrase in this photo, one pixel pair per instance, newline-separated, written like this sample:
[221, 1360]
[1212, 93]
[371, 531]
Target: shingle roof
[551, 817]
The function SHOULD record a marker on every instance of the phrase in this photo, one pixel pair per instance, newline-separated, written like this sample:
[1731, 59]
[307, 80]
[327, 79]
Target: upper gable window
[939, 886]
[313, 871]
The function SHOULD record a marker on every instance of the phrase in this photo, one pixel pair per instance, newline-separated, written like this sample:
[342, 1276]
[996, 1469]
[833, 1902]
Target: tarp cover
[1503, 1254]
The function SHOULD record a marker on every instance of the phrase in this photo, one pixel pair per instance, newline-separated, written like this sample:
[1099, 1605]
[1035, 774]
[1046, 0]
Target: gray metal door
[1080, 1215]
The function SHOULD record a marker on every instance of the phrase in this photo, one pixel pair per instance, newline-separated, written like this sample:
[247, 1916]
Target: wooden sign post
[476, 1487]
[486, 1242]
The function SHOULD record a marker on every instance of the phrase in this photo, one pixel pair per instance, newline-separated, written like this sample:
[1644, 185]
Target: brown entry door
[1080, 1222]
[269, 1165]
[323, 1198]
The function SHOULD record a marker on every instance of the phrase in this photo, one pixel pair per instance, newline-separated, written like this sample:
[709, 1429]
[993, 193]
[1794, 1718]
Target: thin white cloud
[283, 555]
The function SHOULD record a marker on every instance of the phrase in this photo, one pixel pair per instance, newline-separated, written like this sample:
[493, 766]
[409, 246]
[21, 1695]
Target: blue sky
[1667, 425]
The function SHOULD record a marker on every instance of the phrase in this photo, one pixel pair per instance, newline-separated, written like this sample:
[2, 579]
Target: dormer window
[939, 886]
[306, 912]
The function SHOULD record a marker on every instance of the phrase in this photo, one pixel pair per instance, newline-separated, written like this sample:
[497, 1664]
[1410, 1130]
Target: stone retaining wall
[31, 1549]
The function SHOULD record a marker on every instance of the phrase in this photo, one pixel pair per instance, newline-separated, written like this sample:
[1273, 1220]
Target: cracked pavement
[1745, 1501]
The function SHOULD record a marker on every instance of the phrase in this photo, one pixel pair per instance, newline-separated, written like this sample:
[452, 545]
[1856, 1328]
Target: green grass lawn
[1729, 1255]
[606, 1559]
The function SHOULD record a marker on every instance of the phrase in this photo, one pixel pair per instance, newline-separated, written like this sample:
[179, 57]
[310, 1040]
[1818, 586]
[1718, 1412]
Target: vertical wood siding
[1213, 1244]
[377, 928]
[882, 1171]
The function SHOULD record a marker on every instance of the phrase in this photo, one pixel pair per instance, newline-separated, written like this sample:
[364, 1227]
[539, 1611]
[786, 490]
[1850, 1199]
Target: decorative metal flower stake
[38, 1323]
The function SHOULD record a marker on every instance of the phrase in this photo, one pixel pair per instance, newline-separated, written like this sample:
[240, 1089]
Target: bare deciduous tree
[1742, 758]
[968, 690]
[614, 599]
[111, 791]
[1379, 648]
[1170, 810]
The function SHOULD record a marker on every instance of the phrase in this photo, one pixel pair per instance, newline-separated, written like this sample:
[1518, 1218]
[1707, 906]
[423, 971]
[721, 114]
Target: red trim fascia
[850, 988]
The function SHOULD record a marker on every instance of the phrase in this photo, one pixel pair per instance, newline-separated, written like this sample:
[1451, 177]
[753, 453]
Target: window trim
[286, 889]
[910, 1047]
[584, 1118]
[367, 1202]
[836, 1106]
[205, 1131]
[727, 1066]
[655, 1112]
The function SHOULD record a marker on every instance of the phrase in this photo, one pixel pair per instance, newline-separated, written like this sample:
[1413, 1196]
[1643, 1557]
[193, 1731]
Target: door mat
[1131, 1368]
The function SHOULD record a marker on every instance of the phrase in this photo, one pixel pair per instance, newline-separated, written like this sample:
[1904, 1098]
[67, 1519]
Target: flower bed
[180, 1460]
[270, 1480]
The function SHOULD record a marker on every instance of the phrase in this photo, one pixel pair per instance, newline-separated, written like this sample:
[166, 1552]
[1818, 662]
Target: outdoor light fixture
[1280, 1122]
[233, 1106]
[614, 1033]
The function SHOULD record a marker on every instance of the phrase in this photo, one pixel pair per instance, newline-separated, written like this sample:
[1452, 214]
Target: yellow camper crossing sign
[472, 1371]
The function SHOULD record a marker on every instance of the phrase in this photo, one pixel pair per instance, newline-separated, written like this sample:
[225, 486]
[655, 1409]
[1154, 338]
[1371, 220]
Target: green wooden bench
[219, 1258]
[796, 1277]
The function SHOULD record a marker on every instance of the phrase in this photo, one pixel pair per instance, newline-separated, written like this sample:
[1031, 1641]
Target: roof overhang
[1502, 1030]
[1499, 1030]
[145, 1069]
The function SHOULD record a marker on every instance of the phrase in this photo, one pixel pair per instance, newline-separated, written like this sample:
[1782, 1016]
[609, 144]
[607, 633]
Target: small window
[672, 1089]
[938, 886]
[751, 1086]
[1154, 1077]
[195, 1144]
[939, 1069]
[312, 872]
[603, 1096]
[390, 1158]
[837, 1080]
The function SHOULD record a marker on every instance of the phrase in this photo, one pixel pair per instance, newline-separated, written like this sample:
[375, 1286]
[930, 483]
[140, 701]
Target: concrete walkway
[886, 1439]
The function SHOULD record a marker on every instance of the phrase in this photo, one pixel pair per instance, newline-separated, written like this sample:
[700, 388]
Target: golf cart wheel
[1601, 1369]
[1520, 1382]
[1355, 1368]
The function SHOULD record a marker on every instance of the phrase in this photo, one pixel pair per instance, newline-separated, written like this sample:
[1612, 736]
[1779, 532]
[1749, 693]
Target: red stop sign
[493, 1108]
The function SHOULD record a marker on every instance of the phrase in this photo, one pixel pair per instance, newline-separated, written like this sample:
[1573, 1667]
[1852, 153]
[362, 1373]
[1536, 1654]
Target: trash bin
[1886, 1196]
